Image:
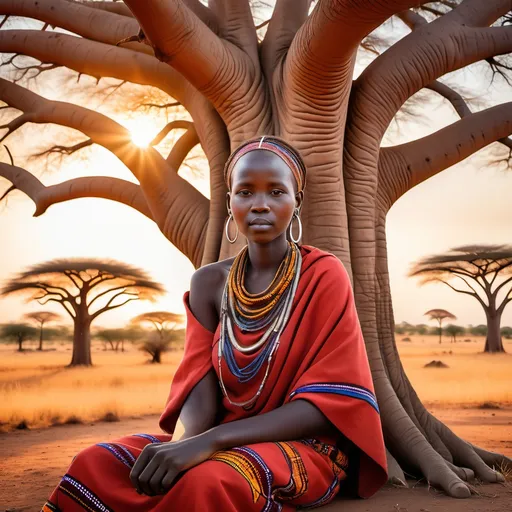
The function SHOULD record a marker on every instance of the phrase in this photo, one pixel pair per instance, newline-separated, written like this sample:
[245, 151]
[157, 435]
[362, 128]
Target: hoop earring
[227, 230]
[296, 216]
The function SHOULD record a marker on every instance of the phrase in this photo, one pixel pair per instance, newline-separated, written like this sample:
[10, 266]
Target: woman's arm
[200, 408]
[294, 420]
[159, 464]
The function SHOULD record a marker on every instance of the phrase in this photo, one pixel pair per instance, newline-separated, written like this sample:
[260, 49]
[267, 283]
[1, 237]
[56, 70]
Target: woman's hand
[160, 463]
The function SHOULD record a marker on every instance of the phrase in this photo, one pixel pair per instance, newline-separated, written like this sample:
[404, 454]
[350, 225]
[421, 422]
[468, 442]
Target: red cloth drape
[321, 358]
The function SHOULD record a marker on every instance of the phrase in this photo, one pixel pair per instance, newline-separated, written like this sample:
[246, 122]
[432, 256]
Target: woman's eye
[277, 192]
[243, 192]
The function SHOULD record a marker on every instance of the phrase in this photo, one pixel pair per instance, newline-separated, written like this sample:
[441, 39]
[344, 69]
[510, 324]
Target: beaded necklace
[252, 312]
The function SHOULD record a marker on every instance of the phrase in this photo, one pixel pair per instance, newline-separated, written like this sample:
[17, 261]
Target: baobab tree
[439, 315]
[86, 289]
[486, 275]
[292, 77]
[41, 318]
[165, 324]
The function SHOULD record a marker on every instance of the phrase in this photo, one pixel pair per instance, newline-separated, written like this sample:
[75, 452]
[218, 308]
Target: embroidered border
[351, 390]
[82, 495]
[298, 484]
[149, 437]
[339, 466]
[255, 471]
[120, 452]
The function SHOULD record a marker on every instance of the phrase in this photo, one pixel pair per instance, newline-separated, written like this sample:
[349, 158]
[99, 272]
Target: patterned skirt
[263, 477]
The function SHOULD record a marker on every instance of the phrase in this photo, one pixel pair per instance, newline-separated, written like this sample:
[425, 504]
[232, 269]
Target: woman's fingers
[139, 466]
[155, 482]
[168, 479]
[146, 475]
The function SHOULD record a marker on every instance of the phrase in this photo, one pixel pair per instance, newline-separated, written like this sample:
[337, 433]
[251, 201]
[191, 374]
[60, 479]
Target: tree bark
[493, 342]
[82, 338]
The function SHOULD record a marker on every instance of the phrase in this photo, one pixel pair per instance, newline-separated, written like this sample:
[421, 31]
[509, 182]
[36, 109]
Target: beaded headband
[273, 146]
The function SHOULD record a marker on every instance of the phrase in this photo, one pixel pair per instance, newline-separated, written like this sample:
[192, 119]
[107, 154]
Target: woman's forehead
[261, 163]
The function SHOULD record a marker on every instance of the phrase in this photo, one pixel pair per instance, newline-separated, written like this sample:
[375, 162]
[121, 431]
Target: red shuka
[321, 358]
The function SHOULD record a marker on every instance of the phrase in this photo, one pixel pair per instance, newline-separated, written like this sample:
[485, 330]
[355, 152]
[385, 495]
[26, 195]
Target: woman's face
[263, 196]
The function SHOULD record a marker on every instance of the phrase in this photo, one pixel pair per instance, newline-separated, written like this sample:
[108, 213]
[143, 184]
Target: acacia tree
[296, 81]
[85, 288]
[18, 332]
[479, 267]
[439, 315]
[453, 331]
[165, 324]
[41, 318]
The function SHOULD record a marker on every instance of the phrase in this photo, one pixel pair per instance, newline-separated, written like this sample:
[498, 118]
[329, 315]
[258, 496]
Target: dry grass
[471, 379]
[37, 388]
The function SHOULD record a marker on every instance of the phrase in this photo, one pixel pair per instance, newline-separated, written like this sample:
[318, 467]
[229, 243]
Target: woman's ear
[228, 201]
[299, 199]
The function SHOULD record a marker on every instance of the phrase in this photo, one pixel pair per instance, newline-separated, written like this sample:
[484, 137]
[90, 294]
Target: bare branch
[16, 123]
[66, 150]
[475, 295]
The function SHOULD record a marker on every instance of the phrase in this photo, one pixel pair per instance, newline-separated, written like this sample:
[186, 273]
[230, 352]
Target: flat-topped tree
[483, 272]
[85, 288]
[40, 318]
[293, 77]
[439, 315]
[165, 324]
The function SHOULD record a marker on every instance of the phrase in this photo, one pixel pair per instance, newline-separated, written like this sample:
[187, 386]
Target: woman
[274, 392]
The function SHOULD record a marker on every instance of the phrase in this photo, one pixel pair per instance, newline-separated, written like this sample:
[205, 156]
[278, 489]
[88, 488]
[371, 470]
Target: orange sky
[463, 205]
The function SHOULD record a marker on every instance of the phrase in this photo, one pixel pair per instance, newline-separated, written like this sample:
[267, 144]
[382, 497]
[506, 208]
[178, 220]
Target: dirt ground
[34, 460]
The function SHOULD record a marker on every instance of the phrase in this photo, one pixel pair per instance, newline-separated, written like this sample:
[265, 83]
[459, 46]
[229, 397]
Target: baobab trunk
[493, 342]
[82, 339]
[40, 338]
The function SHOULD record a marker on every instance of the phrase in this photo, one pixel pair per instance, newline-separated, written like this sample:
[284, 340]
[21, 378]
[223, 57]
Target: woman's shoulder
[320, 259]
[211, 274]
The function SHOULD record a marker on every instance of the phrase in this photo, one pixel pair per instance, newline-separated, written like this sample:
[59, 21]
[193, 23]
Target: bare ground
[32, 462]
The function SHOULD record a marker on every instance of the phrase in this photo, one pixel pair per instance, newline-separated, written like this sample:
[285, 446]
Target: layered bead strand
[253, 312]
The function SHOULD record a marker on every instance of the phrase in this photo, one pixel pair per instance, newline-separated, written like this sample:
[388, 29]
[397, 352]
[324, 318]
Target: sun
[142, 130]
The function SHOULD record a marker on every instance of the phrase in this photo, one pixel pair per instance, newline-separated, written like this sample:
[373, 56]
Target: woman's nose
[260, 204]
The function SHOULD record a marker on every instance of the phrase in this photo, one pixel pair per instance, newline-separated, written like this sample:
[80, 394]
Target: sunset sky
[466, 204]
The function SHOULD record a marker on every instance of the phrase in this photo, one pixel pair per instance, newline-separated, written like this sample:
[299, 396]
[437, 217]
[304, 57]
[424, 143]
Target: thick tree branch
[103, 187]
[172, 125]
[287, 18]
[475, 295]
[405, 166]
[451, 42]
[98, 25]
[115, 7]
[237, 25]
[182, 148]
[95, 59]
[177, 35]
